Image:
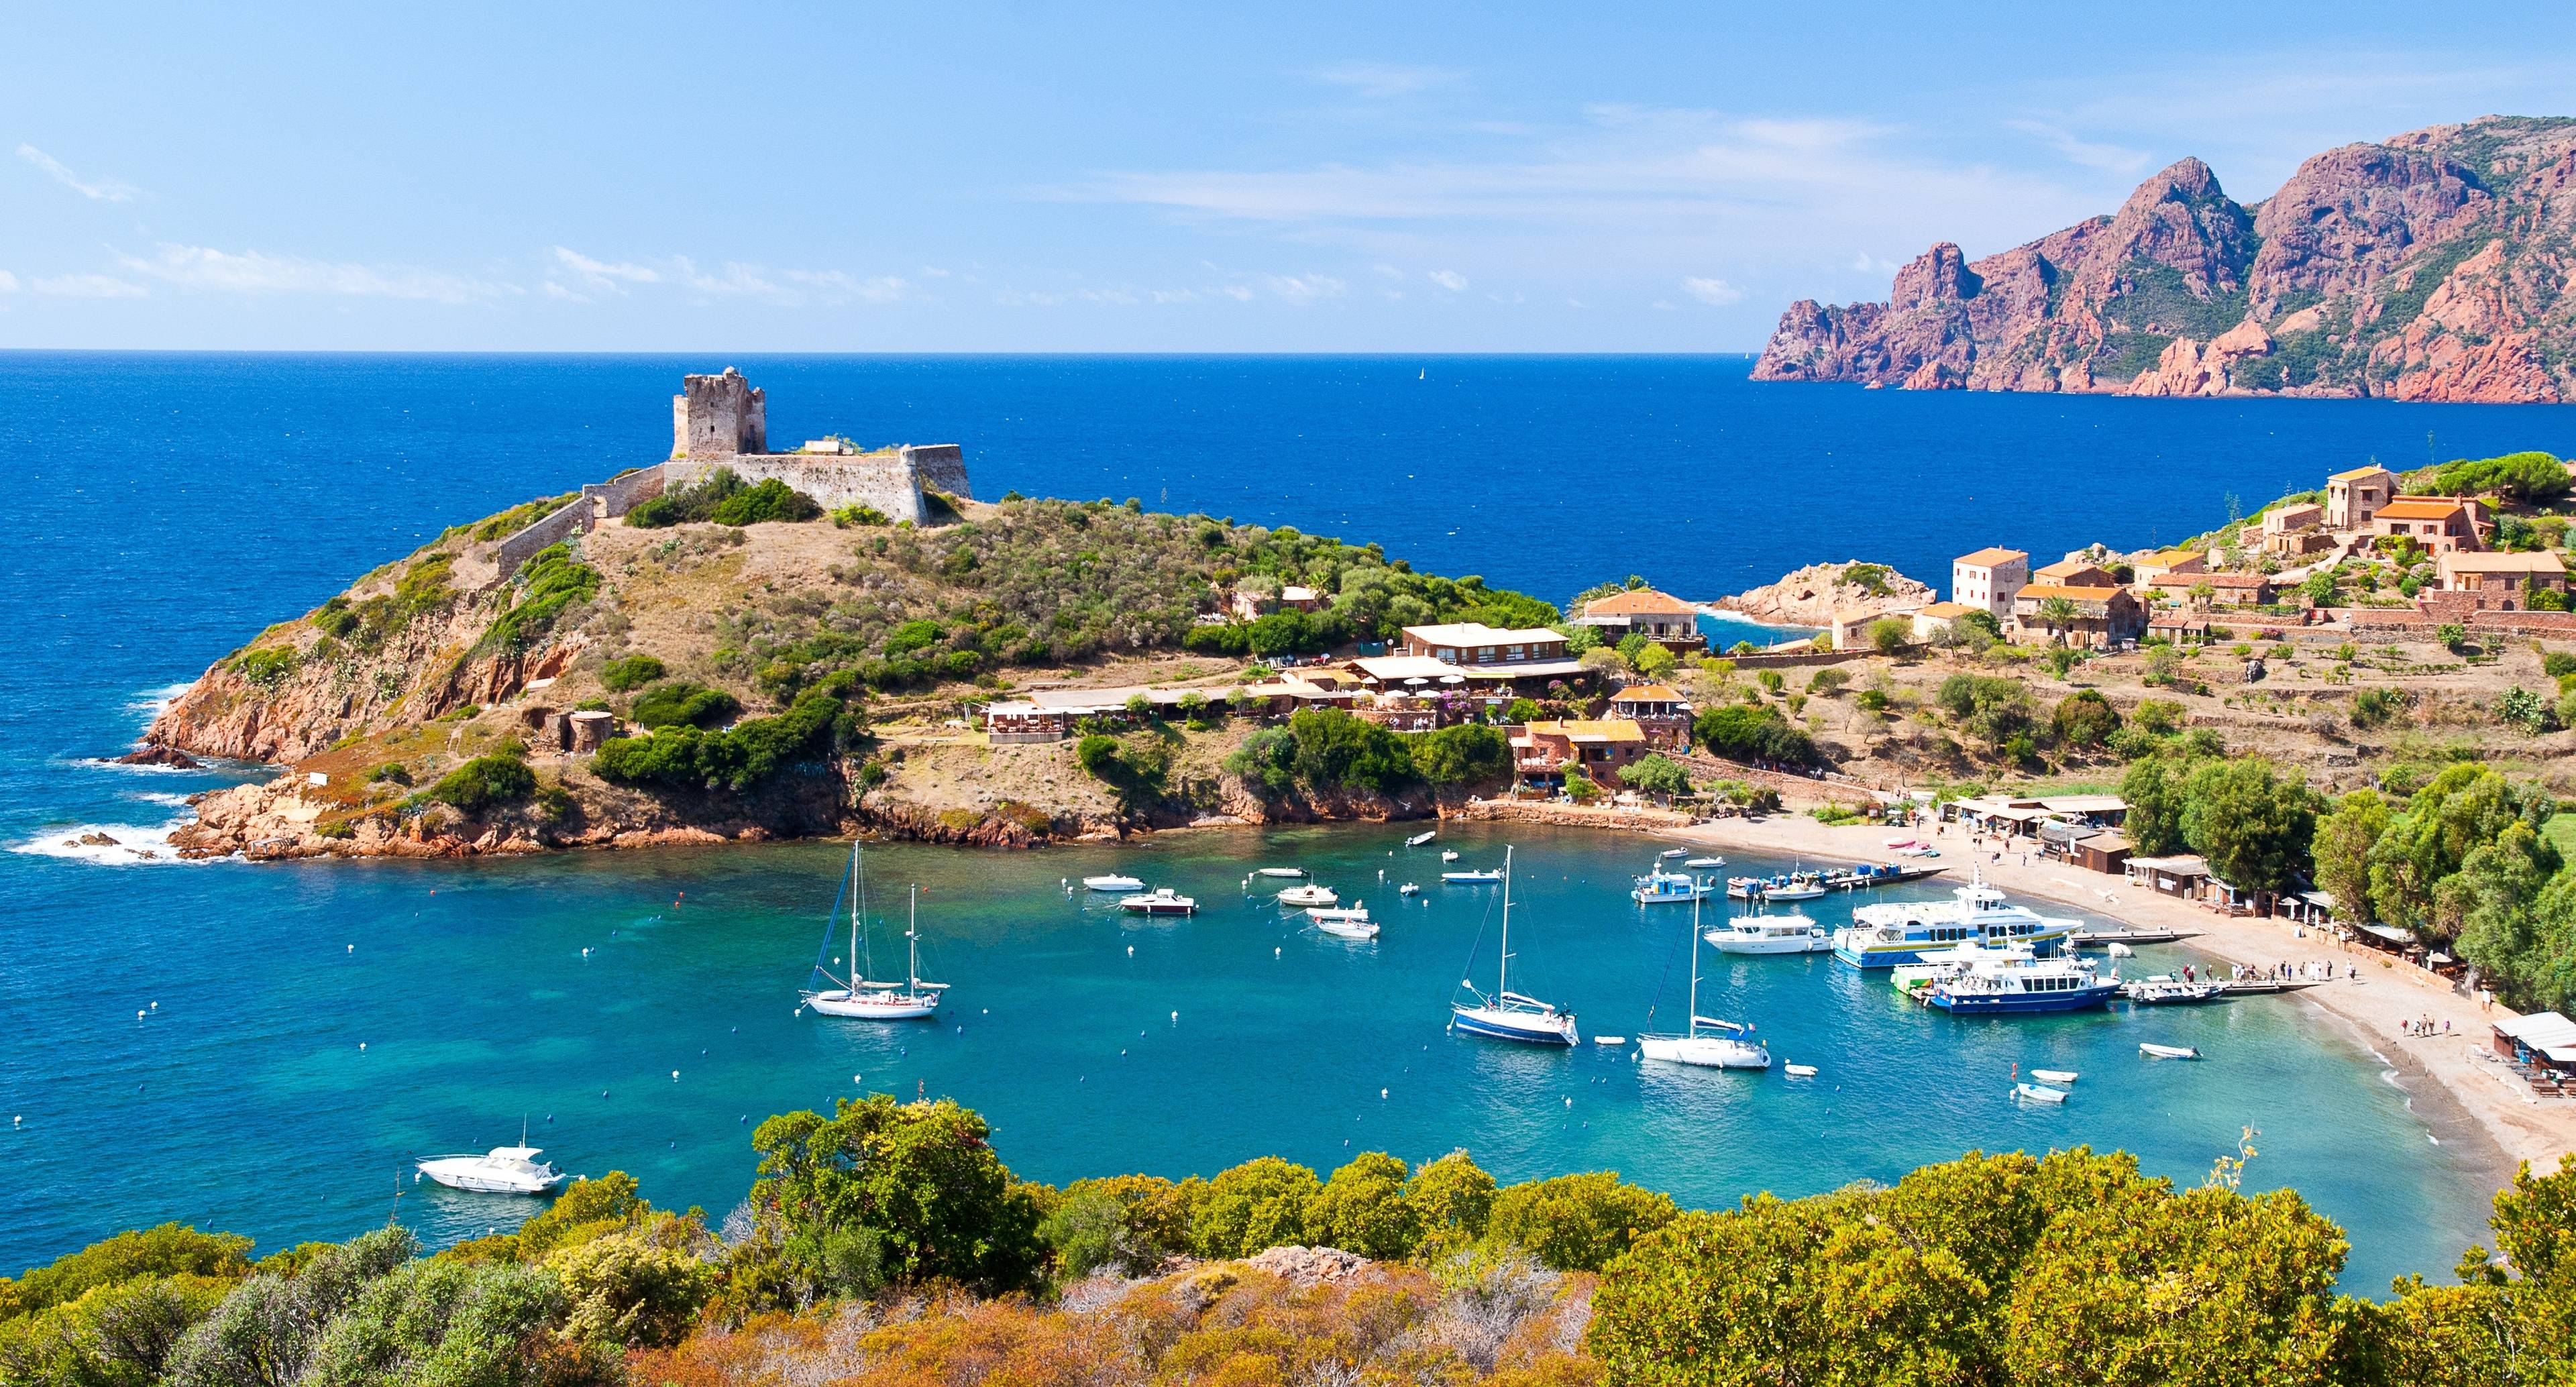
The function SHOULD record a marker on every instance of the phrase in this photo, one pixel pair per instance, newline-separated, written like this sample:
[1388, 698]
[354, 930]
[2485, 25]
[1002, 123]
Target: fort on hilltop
[723, 421]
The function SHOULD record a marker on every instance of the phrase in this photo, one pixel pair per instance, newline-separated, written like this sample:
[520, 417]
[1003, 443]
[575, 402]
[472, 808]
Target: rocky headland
[1816, 594]
[2431, 266]
[703, 682]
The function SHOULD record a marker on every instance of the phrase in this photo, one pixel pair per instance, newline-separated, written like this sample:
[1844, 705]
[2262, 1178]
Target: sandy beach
[2467, 1094]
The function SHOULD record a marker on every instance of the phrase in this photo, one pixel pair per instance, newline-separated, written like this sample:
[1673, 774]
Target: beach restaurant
[2544, 1037]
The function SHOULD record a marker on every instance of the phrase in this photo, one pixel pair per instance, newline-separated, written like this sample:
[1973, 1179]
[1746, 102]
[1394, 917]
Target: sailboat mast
[912, 936]
[1503, 973]
[1693, 1028]
[855, 905]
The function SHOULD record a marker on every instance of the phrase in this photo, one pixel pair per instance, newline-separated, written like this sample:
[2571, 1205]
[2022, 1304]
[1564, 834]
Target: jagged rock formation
[2433, 266]
[1814, 595]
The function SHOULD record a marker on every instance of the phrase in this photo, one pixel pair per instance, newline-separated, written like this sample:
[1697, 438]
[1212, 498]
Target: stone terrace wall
[941, 467]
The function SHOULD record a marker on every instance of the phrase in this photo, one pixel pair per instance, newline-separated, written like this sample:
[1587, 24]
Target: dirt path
[2469, 1089]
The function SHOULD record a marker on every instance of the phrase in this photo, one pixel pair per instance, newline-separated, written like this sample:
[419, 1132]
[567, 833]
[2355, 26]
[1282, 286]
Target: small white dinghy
[2054, 1076]
[2039, 1093]
[1419, 839]
[502, 1170]
[1350, 923]
[1799, 1071]
[1612, 1040]
[1309, 895]
[1119, 884]
[1408, 889]
[1448, 854]
[1290, 872]
[1487, 877]
[1702, 864]
[2168, 1052]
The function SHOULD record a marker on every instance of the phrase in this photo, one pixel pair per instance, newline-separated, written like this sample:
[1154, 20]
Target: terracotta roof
[1948, 611]
[1635, 602]
[2541, 562]
[1988, 558]
[1591, 729]
[2358, 473]
[2095, 575]
[2167, 558]
[2041, 592]
[1646, 693]
[2420, 508]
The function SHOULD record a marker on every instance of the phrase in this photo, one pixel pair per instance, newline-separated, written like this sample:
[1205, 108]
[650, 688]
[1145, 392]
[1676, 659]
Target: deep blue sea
[165, 508]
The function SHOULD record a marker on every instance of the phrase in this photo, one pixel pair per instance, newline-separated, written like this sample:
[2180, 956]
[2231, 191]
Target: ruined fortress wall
[941, 467]
[621, 493]
[571, 519]
[883, 480]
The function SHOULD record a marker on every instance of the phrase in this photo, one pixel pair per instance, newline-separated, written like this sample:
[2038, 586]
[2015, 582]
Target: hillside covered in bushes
[888, 1243]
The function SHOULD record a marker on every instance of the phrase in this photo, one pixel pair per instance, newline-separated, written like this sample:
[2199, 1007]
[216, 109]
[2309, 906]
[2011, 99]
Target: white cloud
[1382, 81]
[88, 287]
[2110, 158]
[1450, 280]
[600, 276]
[1866, 263]
[95, 189]
[1304, 289]
[1714, 292]
[259, 273]
[8, 282]
[576, 278]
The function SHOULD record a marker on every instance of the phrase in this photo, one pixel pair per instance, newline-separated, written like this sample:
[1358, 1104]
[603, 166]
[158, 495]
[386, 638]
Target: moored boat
[1660, 888]
[1309, 895]
[1162, 900]
[1721, 1045]
[2168, 1052]
[1705, 864]
[502, 1170]
[1799, 1071]
[2039, 1093]
[1350, 922]
[1113, 882]
[858, 998]
[1419, 839]
[2054, 1076]
[1894, 932]
[1771, 934]
[1484, 877]
[1286, 872]
[2164, 989]
[1509, 1015]
[2020, 986]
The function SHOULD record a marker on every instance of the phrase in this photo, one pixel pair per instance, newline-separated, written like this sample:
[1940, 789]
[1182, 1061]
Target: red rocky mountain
[2432, 266]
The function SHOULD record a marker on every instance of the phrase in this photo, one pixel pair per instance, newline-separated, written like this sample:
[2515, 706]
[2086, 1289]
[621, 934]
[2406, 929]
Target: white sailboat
[1508, 1015]
[861, 999]
[1722, 1046]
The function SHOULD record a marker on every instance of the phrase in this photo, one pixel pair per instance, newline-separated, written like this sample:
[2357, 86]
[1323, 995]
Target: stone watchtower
[718, 416]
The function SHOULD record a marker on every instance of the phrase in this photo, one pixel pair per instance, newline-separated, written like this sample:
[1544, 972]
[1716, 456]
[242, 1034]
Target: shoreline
[2459, 1092]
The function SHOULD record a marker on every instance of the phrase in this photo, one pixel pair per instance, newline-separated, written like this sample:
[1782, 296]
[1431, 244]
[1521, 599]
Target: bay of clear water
[167, 507]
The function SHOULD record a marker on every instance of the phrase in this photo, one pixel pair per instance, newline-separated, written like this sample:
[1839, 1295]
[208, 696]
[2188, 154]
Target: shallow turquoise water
[246, 1101]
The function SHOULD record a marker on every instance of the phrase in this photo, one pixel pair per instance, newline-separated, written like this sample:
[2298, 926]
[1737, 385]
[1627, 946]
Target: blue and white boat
[1509, 1015]
[2018, 987]
[1661, 887]
[1894, 932]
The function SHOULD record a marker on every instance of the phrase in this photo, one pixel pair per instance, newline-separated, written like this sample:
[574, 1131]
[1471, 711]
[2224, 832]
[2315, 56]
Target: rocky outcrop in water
[1816, 594]
[2431, 266]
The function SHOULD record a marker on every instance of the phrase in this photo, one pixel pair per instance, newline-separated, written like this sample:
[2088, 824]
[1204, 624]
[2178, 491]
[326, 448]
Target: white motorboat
[1162, 900]
[1672, 852]
[1419, 839]
[857, 998]
[1799, 1071]
[1448, 854]
[2039, 1093]
[2168, 1052]
[1309, 895]
[1408, 889]
[1705, 864]
[1485, 877]
[1350, 922]
[1771, 934]
[2054, 1076]
[501, 1170]
[2164, 989]
[1721, 1046]
[1120, 884]
[1509, 1015]
[2020, 986]
[1284, 872]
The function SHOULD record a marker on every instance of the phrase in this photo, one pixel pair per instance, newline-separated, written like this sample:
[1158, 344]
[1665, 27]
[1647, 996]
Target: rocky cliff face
[1816, 594]
[2433, 266]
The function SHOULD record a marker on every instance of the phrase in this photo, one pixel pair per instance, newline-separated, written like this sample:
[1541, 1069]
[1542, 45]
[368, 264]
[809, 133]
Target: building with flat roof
[1988, 578]
[2353, 497]
[1543, 752]
[2500, 582]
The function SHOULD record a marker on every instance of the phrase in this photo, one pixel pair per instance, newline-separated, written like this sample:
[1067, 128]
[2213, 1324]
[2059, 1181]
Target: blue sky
[1039, 176]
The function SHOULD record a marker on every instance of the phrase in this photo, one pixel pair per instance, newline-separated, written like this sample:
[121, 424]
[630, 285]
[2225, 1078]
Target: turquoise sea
[168, 507]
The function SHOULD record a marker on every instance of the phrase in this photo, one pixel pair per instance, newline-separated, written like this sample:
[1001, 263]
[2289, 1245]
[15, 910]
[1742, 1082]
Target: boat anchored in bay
[1721, 1045]
[1509, 1015]
[857, 998]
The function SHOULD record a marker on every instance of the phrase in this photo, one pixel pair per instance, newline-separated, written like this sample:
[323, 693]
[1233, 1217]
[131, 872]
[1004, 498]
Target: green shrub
[682, 703]
[334, 618]
[1828, 681]
[2083, 719]
[391, 772]
[485, 781]
[551, 580]
[1256, 1205]
[1577, 1222]
[266, 669]
[771, 500]
[721, 496]
[742, 755]
[631, 673]
[1743, 732]
[1469, 754]
[847, 517]
[2558, 664]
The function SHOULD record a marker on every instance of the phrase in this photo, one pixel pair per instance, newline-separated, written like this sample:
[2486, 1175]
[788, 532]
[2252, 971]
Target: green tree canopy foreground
[2073, 1268]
